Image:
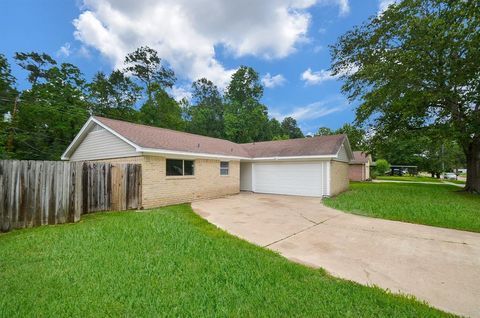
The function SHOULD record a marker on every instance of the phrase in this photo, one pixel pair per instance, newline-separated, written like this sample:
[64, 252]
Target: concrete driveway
[440, 266]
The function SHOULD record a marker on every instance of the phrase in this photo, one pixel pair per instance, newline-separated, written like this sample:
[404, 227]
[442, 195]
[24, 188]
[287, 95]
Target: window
[176, 167]
[224, 165]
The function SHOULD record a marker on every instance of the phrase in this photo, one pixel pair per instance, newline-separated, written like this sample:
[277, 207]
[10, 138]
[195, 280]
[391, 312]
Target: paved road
[440, 266]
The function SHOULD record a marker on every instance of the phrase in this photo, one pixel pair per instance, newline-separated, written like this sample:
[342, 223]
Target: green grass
[407, 178]
[438, 205]
[456, 181]
[170, 262]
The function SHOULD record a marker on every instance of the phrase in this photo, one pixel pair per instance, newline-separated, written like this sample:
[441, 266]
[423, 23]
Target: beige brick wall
[160, 190]
[338, 177]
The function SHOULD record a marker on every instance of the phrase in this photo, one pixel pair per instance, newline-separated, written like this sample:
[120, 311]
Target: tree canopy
[416, 66]
[41, 120]
[356, 135]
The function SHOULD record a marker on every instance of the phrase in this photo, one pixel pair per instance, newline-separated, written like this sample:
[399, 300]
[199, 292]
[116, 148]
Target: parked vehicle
[396, 172]
[450, 176]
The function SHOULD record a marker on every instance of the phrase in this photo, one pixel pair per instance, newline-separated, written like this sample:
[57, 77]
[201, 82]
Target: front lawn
[456, 181]
[409, 178]
[430, 204]
[170, 262]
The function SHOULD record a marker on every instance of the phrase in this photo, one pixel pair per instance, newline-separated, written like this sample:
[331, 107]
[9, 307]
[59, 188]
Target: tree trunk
[473, 167]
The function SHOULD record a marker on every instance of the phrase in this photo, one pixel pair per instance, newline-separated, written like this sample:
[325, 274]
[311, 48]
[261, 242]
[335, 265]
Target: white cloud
[65, 50]
[314, 110]
[343, 5]
[273, 81]
[383, 5]
[186, 32]
[314, 78]
[179, 93]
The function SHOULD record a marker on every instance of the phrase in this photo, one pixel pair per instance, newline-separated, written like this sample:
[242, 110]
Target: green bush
[382, 166]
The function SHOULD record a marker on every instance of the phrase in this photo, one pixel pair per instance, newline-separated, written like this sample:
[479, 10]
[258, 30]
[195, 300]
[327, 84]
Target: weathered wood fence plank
[34, 193]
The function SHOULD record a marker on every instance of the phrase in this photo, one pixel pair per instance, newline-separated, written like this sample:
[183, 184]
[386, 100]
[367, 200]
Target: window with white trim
[224, 167]
[178, 167]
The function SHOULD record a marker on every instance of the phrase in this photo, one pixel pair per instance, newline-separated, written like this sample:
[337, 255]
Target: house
[359, 169]
[181, 167]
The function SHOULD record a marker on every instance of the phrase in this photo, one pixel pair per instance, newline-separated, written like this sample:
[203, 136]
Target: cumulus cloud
[186, 32]
[180, 92]
[314, 78]
[314, 110]
[65, 50]
[273, 81]
[344, 7]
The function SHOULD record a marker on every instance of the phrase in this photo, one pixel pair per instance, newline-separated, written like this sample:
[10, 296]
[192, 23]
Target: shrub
[382, 166]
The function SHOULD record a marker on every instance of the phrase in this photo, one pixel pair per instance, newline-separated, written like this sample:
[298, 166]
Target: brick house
[180, 167]
[359, 169]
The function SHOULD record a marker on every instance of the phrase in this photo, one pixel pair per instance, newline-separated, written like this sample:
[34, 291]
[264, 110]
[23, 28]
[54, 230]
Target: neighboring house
[360, 166]
[180, 167]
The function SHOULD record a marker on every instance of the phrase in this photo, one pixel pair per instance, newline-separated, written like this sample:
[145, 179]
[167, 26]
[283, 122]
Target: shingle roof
[161, 138]
[167, 139]
[314, 146]
[359, 157]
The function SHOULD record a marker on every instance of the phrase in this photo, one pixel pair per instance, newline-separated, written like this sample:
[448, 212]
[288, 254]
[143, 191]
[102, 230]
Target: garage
[305, 178]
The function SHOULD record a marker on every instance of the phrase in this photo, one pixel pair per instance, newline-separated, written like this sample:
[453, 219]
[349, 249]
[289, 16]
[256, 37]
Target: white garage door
[294, 178]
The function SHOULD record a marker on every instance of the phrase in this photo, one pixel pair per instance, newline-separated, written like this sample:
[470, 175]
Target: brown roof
[161, 138]
[360, 157]
[314, 146]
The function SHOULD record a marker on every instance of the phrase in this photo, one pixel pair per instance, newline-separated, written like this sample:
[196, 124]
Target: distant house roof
[360, 157]
[153, 139]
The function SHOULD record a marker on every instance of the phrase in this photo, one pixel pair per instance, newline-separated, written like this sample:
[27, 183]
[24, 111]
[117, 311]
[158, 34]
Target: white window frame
[223, 169]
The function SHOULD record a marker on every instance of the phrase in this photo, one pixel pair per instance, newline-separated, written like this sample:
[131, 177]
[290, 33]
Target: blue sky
[286, 41]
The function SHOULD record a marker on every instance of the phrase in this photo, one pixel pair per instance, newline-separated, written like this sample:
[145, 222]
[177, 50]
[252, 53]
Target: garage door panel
[306, 178]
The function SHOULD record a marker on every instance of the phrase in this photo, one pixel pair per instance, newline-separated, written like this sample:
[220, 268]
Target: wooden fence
[34, 193]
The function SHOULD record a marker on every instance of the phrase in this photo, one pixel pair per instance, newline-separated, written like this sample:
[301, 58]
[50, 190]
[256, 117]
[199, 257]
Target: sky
[285, 41]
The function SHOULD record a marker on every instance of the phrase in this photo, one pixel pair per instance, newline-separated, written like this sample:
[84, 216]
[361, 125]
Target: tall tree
[36, 64]
[162, 111]
[274, 131]
[324, 131]
[51, 112]
[291, 129]
[114, 96]
[145, 65]
[417, 65]
[356, 136]
[245, 117]
[8, 103]
[206, 113]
